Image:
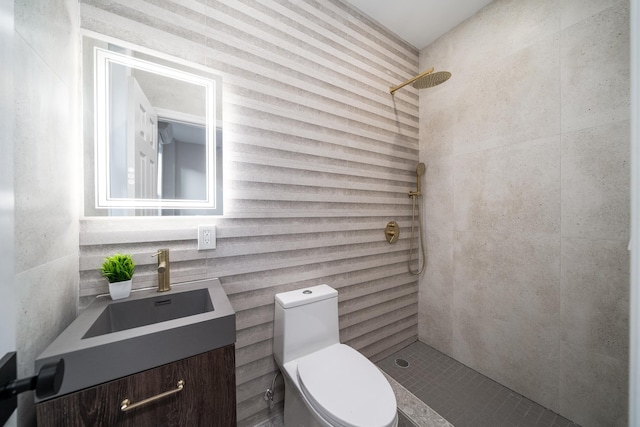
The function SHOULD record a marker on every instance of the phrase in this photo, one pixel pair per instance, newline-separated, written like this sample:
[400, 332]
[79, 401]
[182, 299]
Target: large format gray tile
[539, 160]
[576, 11]
[509, 189]
[49, 28]
[596, 181]
[47, 299]
[511, 101]
[435, 297]
[46, 211]
[595, 70]
[594, 387]
[507, 310]
[595, 295]
[436, 287]
[515, 25]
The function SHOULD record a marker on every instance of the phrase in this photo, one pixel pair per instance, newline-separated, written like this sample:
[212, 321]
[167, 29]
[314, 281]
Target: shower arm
[395, 88]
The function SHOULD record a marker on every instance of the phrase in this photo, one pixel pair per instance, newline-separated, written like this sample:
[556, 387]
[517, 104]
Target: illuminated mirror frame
[102, 65]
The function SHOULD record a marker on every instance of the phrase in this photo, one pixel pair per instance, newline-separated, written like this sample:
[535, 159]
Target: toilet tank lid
[305, 296]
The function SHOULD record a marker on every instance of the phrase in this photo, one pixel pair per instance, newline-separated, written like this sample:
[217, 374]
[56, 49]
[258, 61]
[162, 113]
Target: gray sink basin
[113, 339]
[147, 311]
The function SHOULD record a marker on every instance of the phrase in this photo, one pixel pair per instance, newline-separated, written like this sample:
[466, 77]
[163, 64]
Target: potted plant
[118, 270]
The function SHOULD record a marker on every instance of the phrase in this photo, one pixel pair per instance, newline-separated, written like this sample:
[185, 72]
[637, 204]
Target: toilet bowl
[326, 383]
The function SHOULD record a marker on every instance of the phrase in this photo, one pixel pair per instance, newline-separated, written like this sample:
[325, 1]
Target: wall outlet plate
[206, 237]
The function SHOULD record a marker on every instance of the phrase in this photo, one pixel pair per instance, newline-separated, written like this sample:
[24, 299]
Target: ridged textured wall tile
[318, 158]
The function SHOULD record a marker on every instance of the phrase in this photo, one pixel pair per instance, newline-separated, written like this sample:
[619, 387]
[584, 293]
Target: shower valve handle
[392, 232]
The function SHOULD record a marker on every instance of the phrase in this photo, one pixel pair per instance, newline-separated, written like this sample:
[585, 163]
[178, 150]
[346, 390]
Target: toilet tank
[306, 320]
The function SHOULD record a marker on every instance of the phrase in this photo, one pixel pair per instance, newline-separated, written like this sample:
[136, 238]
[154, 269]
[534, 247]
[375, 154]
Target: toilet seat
[346, 388]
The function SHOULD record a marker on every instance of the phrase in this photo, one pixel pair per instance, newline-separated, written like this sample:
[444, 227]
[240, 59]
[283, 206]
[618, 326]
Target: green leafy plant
[118, 268]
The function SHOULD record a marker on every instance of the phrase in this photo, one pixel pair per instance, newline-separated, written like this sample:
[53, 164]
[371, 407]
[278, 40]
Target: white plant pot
[119, 290]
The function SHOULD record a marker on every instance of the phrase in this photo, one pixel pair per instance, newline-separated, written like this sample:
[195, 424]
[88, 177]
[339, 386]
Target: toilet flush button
[307, 292]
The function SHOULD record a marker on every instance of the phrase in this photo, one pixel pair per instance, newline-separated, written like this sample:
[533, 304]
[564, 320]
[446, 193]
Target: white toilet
[326, 383]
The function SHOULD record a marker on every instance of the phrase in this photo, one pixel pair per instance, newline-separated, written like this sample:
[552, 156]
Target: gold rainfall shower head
[424, 80]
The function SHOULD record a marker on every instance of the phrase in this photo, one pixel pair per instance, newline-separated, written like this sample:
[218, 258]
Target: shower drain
[402, 363]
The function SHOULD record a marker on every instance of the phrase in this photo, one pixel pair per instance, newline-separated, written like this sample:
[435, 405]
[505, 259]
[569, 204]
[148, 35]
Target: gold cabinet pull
[126, 404]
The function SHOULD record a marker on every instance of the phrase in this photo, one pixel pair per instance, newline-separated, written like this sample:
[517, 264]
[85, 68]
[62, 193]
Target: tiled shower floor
[463, 396]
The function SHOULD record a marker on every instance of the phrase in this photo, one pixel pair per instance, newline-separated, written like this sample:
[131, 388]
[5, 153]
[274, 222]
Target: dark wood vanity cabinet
[208, 397]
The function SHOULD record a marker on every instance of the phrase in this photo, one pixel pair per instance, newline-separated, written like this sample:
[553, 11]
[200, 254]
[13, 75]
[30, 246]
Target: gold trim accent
[126, 404]
[392, 232]
[392, 89]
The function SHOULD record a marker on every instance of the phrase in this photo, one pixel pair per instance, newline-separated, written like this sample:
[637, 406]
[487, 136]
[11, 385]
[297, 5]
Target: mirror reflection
[157, 133]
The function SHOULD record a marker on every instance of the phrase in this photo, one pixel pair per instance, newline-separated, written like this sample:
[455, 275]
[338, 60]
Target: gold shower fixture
[392, 232]
[424, 80]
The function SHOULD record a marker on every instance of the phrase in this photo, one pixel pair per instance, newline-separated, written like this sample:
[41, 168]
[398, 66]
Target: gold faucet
[164, 281]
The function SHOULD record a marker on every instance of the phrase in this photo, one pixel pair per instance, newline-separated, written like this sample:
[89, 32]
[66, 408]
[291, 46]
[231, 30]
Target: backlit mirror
[154, 133]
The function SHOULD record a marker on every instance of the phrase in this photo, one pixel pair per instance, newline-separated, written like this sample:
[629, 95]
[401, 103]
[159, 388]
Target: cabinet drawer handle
[126, 404]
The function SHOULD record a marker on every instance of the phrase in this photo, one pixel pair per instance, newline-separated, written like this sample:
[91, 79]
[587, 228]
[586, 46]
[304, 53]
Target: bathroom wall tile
[45, 205]
[46, 213]
[436, 285]
[320, 158]
[437, 202]
[595, 182]
[45, 307]
[510, 189]
[435, 312]
[508, 275]
[595, 69]
[439, 119]
[595, 295]
[275, 421]
[514, 24]
[438, 128]
[507, 310]
[491, 103]
[575, 11]
[510, 101]
[437, 180]
[47, 296]
[48, 27]
[593, 387]
[539, 125]
[142, 35]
